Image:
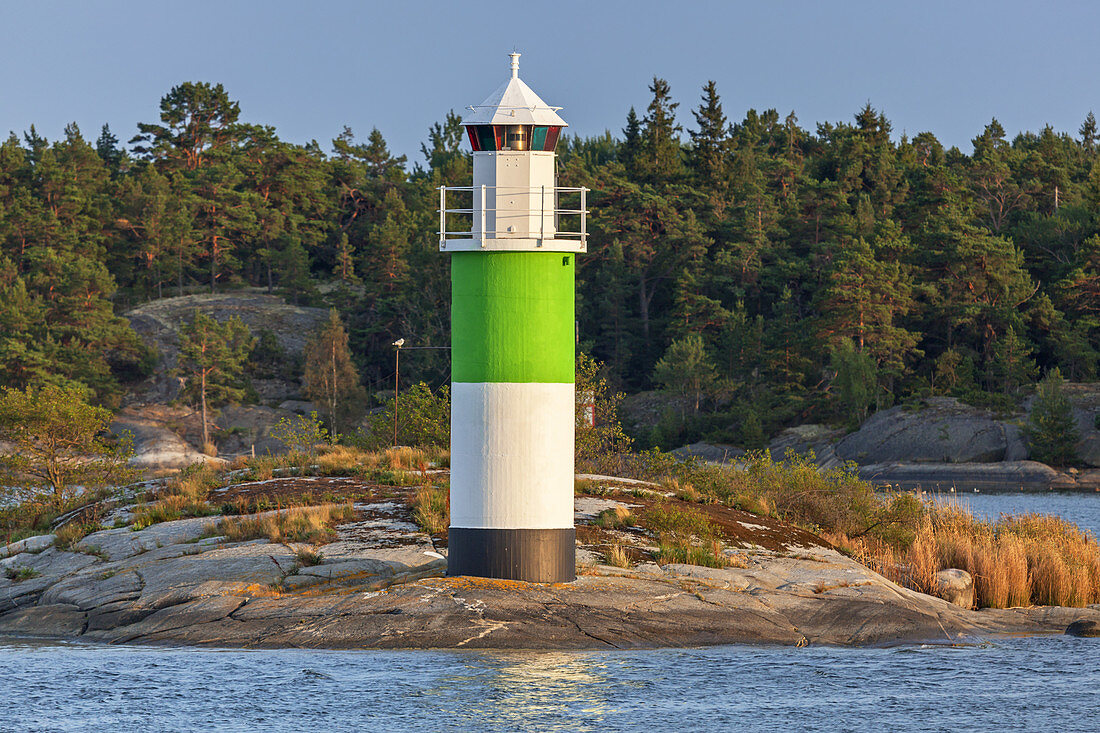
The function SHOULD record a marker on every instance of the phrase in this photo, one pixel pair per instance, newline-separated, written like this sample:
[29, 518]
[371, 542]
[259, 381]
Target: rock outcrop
[381, 584]
[806, 440]
[156, 445]
[158, 322]
[1088, 628]
[943, 431]
[947, 477]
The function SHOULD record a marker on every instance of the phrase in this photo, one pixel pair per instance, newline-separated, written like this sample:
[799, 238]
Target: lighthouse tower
[512, 344]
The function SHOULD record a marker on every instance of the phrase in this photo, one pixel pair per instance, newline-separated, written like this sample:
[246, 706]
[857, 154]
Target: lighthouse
[513, 410]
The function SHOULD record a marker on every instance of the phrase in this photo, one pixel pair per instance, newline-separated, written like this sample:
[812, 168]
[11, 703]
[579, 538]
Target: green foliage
[302, 434]
[1051, 430]
[24, 572]
[60, 444]
[423, 419]
[686, 369]
[269, 359]
[599, 432]
[855, 382]
[212, 358]
[770, 241]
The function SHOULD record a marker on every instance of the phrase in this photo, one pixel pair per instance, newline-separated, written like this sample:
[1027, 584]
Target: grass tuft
[312, 525]
[616, 556]
[307, 557]
[432, 511]
[615, 518]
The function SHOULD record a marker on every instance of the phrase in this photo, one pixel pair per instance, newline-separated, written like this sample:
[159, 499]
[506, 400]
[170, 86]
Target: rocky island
[376, 580]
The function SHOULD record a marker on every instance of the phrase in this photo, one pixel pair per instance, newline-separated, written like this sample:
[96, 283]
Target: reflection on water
[517, 687]
[1038, 683]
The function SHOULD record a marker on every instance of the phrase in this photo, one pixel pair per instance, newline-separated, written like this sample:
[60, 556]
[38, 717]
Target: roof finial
[515, 63]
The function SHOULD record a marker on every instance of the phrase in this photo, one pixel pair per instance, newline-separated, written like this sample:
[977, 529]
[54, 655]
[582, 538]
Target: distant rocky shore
[943, 446]
[381, 584]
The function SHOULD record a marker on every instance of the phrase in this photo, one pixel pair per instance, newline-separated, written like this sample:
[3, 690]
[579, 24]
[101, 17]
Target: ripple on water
[1038, 682]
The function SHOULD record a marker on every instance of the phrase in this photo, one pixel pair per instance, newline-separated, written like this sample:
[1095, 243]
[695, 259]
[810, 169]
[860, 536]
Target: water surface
[1037, 683]
[1082, 509]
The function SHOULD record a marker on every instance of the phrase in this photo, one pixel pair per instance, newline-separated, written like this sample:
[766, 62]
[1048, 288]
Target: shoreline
[378, 581]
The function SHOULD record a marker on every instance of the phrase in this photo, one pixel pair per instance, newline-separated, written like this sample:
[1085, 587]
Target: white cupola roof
[514, 103]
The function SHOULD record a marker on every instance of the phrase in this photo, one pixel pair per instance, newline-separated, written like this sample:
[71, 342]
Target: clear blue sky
[311, 68]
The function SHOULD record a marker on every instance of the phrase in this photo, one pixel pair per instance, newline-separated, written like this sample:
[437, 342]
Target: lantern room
[515, 203]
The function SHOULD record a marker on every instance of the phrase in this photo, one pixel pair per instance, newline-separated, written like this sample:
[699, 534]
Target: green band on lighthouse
[512, 317]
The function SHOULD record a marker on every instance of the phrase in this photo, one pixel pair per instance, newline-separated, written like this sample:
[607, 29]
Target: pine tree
[711, 142]
[345, 261]
[1088, 132]
[659, 156]
[856, 381]
[330, 376]
[212, 359]
[632, 141]
[106, 145]
[1051, 431]
[686, 369]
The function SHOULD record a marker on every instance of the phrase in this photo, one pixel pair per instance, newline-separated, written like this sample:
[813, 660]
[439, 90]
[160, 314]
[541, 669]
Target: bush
[423, 419]
[302, 434]
[599, 432]
[685, 536]
[61, 443]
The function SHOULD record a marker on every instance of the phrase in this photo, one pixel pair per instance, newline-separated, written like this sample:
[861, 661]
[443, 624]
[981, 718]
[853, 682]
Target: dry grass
[187, 495]
[682, 490]
[586, 486]
[1018, 560]
[615, 518]
[307, 557]
[346, 460]
[616, 556]
[71, 533]
[312, 525]
[432, 511]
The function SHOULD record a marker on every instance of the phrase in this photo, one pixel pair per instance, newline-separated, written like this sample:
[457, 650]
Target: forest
[762, 273]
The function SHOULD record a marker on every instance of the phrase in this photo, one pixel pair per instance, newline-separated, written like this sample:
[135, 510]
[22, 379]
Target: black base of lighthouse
[531, 555]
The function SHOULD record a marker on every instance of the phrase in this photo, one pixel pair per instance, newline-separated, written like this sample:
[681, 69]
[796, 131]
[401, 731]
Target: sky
[309, 69]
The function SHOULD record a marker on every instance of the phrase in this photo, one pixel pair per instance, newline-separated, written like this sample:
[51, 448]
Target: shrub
[61, 443]
[302, 434]
[615, 518]
[423, 419]
[685, 536]
[599, 432]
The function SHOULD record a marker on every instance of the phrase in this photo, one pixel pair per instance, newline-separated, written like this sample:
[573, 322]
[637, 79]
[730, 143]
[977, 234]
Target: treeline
[768, 273]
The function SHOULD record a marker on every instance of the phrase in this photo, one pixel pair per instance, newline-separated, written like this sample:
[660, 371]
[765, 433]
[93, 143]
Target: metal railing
[481, 195]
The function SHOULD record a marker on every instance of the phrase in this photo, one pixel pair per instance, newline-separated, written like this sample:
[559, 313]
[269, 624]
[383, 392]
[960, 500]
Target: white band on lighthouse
[511, 455]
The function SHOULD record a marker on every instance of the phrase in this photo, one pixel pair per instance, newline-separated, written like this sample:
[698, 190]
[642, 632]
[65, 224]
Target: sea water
[1081, 509]
[1035, 683]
